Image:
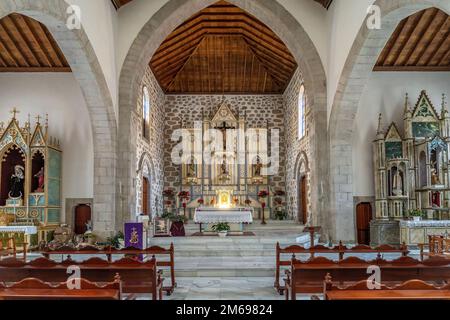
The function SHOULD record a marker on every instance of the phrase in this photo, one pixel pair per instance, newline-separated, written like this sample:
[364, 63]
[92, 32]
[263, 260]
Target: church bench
[409, 290]
[340, 250]
[307, 277]
[36, 289]
[110, 251]
[137, 277]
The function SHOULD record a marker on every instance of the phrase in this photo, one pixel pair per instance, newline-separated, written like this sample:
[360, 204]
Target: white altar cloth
[20, 229]
[232, 215]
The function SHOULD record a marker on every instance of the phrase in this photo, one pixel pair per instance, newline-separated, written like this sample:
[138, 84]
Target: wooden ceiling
[420, 42]
[26, 45]
[223, 49]
[120, 3]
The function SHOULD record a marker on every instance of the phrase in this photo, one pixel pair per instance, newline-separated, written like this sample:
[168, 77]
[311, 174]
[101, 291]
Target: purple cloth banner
[134, 235]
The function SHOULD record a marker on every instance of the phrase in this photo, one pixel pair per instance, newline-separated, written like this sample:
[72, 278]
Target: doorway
[145, 196]
[363, 218]
[303, 201]
[83, 216]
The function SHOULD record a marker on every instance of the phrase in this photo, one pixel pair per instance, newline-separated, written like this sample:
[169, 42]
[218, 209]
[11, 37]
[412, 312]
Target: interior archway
[86, 69]
[268, 12]
[358, 67]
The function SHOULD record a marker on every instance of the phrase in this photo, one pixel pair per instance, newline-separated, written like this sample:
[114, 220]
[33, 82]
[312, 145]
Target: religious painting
[394, 149]
[161, 227]
[425, 129]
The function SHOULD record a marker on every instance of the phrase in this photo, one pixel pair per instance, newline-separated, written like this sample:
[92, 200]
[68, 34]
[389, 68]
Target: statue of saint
[223, 168]
[434, 177]
[16, 182]
[257, 168]
[397, 184]
[191, 169]
[41, 179]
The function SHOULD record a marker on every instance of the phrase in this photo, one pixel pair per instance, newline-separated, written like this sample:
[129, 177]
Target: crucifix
[224, 129]
[14, 112]
[38, 118]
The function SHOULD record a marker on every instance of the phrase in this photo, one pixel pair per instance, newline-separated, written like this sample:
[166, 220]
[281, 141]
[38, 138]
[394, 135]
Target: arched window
[301, 112]
[145, 112]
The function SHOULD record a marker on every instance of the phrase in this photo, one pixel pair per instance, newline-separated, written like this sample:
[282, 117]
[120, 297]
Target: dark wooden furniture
[36, 289]
[137, 277]
[409, 290]
[10, 249]
[340, 250]
[307, 277]
[110, 251]
[437, 246]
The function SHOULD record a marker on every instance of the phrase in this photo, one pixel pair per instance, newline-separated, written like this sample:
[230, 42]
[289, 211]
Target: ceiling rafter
[239, 53]
[421, 42]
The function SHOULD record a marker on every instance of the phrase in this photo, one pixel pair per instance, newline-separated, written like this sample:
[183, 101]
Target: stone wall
[188, 108]
[298, 151]
[150, 151]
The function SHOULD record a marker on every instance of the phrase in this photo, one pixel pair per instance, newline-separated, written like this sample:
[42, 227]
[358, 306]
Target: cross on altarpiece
[224, 129]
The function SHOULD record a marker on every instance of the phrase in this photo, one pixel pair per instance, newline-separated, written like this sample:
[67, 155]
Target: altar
[232, 216]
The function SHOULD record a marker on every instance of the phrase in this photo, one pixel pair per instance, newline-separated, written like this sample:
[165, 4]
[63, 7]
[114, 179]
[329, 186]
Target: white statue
[397, 184]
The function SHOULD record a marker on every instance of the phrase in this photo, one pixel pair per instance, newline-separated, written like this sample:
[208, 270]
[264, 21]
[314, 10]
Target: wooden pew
[109, 251]
[340, 250]
[409, 290]
[307, 277]
[437, 246]
[11, 248]
[137, 277]
[36, 289]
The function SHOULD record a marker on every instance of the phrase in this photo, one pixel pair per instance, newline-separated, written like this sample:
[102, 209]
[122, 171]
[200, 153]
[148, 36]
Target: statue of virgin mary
[16, 182]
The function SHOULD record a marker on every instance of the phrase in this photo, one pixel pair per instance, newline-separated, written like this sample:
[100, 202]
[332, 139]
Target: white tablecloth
[224, 215]
[25, 229]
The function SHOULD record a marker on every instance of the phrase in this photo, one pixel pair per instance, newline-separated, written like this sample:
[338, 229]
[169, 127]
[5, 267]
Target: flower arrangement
[200, 201]
[221, 227]
[248, 202]
[184, 195]
[278, 201]
[415, 213]
[263, 194]
[168, 203]
[168, 193]
[236, 201]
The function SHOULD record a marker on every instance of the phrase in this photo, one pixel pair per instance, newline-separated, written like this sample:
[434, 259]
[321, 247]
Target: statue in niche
[16, 183]
[223, 168]
[41, 179]
[434, 176]
[191, 170]
[257, 168]
[397, 184]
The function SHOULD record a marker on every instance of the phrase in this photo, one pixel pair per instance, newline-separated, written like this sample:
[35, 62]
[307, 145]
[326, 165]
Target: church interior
[225, 149]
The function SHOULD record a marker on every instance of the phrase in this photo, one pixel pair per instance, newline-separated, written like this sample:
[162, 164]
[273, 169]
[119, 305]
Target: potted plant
[118, 241]
[184, 197]
[417, 214]
[221, 228]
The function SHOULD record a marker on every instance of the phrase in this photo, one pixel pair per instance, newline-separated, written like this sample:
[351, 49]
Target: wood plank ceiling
[26, 45]
[223, 49]
[420, 42]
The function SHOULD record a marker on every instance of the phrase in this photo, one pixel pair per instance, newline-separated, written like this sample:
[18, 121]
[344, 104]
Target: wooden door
[303, 212]
[363, 218]
[82, 217]
[145, 196]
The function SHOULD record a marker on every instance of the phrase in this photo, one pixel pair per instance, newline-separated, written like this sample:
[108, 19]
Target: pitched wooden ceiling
[420, 42]
[26, 45]
[223, 49]
[120, 3]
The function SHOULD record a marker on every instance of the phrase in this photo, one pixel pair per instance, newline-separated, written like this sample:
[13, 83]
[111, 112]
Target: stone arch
[357, 69]
[162, 23]
[87, 71]
[146, 169]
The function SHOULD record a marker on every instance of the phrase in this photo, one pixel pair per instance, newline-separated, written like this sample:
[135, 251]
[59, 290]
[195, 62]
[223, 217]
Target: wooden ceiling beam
[12, 47]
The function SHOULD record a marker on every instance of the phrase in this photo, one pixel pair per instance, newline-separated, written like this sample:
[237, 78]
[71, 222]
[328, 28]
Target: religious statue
[223, 168]
[397, 184]
[191, 169]
[434, 176]
[257, 168]
[17, 180]
[41, 179]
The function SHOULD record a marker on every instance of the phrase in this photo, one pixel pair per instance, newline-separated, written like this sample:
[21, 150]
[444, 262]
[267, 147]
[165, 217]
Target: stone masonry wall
[188, 108]
[150, 151]
[298, 151]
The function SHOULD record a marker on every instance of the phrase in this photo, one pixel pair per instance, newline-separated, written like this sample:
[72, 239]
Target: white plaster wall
[99, 20]
[344, 19]
[59, 95]
[385, 93]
